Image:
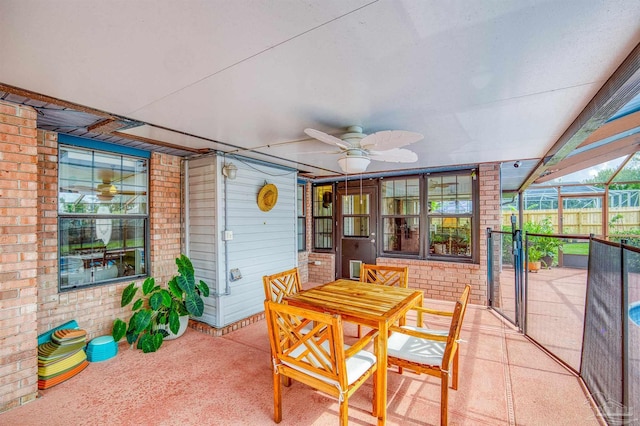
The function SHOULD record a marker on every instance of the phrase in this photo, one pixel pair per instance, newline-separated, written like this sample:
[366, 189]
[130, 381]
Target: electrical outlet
[235, 274]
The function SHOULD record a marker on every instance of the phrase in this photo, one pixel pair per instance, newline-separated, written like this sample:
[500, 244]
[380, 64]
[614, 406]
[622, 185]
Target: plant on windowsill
[158, 308]
[439, 242]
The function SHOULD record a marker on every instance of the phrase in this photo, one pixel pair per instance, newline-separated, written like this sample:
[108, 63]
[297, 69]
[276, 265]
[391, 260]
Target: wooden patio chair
[320, 358]
[281, 285]
[397, 276]
[432, 352]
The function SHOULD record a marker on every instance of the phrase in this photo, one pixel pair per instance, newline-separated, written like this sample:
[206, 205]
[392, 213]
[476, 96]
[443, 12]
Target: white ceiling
[483, 81]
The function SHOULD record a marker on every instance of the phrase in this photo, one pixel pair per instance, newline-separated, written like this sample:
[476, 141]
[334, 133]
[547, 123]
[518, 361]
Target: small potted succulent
[158, 312]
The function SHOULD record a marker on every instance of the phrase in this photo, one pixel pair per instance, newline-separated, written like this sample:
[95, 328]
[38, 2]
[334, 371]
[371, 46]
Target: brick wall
[30, 303]
[165, 200]
[18, 255]
[324, 272]
[445, 280]
[93, 308]
[303, 256]
[303, 266]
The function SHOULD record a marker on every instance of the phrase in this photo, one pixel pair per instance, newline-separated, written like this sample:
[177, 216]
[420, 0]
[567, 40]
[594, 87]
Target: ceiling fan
[358, 149]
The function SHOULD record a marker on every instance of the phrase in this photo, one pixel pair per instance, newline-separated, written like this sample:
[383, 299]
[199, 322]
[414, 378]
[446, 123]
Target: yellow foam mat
[62, 366]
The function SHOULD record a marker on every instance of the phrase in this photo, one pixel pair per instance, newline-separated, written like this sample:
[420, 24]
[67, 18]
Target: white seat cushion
[357, 365]
[416, 349]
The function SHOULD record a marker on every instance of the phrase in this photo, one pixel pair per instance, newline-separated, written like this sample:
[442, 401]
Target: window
[450, 214]
[355, 215]
[102, 217]
[401, 215]
[302, 219]
[323, 217]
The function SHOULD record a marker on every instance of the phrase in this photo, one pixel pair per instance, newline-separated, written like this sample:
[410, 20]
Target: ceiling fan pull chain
[346, 186]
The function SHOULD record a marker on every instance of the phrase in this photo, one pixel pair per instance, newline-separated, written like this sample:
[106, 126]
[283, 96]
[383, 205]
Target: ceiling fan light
[351, 164]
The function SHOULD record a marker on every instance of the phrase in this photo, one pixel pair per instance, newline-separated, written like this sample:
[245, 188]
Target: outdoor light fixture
[229, 171]
[353, 164]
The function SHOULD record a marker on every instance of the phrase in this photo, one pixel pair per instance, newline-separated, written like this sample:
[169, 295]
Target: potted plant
[439, 242]
[544, 248]
[158, 308]
[533, 258]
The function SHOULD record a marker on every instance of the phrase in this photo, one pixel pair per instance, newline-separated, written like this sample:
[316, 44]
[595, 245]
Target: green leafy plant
[439, 239]
[541, 247]
[534, 254]
[159, 306]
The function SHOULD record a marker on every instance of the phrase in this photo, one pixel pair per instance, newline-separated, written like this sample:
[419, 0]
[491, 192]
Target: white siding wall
[201, 227]
[263, 242]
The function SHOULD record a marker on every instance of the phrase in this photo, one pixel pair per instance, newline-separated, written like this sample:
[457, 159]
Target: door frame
[370, 187]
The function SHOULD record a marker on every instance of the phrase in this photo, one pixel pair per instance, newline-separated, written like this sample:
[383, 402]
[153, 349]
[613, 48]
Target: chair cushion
[357, 365]
[416, 349]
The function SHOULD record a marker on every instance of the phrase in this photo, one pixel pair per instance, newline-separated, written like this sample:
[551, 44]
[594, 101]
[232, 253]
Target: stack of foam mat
[62, 357]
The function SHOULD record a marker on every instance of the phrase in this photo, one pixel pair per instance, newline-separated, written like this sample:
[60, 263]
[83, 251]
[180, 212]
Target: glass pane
[413, 197]
[323, 201]
[302, 234]
[356, 226]
[464, 187]
[75, 181]
[595, 174]
[355, 204]
[401, 197]
[132, 188]
[94, 250]
[300, 200]
[388, 192]
[509, 203]
[450, 236]
[450, 194]
[629, 173]
[401, 234]
[540, 199]
[95, 183]
[435, 200]
[323, 238]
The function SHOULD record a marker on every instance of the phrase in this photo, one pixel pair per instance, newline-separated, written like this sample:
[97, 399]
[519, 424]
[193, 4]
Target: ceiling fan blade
[389, 139]
[324, 152]
[78, 188]
[323, 137]
[132, 192]
[396, 155]
[106, 175]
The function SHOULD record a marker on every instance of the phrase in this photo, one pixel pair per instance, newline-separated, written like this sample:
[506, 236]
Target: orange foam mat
[68, 334]
[46, 384]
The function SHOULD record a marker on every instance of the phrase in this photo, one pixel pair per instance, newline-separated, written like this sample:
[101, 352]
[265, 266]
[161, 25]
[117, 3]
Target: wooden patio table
[372, 305]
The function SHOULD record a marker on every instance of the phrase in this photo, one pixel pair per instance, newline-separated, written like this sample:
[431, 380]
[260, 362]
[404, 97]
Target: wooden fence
[583, 221]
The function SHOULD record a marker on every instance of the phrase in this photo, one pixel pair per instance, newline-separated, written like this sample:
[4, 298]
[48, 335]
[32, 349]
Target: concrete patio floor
[200, 379]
